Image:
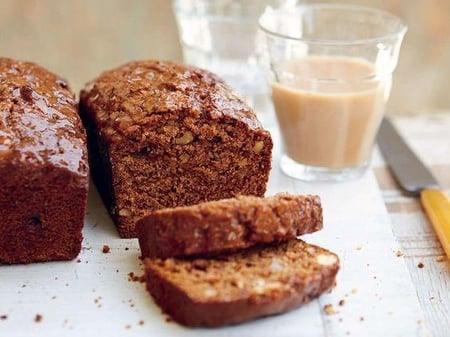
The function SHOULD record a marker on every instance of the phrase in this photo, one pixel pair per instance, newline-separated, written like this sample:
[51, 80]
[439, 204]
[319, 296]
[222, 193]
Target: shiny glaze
[126, 99]
[39, 123]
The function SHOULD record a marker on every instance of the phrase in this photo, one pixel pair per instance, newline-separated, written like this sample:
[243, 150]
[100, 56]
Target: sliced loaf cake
[163, 135]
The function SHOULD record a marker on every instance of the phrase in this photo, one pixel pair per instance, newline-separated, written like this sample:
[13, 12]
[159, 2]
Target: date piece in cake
[226, 225]
[43, 166]
[235, 288]
[163, 135]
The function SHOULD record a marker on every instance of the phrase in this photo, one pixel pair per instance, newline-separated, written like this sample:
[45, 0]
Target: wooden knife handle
[437, 206]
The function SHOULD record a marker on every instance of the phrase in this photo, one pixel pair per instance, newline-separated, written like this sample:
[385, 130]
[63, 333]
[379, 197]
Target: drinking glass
[331, 71]
[223, 37]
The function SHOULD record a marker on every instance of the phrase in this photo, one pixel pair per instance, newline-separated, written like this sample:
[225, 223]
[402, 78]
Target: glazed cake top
[39, 122]
[125, 100]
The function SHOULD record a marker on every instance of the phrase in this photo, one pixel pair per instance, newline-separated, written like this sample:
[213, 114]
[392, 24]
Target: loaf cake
[43, 166]
[163, 135]
[226, 225]
[238, 287]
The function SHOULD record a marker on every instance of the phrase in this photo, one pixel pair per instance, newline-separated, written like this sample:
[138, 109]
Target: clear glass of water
[222, 36]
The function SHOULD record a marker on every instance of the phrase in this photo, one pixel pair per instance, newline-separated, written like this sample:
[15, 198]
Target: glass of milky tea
[331, 71]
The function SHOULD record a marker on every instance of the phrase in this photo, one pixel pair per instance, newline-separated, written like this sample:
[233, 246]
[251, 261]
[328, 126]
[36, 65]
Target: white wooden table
[376, 293]
[429, 137]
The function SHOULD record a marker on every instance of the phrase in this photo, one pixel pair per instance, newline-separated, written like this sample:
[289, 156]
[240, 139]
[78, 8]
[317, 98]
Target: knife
[415, 178]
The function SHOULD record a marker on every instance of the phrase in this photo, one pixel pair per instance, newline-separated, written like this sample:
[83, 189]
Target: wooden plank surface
[429, 136]
[95, 296]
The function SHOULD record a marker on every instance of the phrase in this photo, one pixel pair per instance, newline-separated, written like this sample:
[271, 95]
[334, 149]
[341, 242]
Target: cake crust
[227, 225]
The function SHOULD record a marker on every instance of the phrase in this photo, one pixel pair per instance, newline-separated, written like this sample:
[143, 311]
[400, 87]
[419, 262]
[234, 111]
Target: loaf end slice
[238, 287]
[215, 227]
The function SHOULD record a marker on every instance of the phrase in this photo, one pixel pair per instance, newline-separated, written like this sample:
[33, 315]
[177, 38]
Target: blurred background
[79, 39]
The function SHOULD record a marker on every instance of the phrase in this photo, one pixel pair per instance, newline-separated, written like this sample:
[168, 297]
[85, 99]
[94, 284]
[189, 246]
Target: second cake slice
[226, 225]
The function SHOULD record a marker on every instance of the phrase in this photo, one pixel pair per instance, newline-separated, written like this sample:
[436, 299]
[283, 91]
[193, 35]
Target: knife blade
[415, 178]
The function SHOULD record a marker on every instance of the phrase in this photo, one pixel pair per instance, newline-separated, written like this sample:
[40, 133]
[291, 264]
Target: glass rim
[399, 32]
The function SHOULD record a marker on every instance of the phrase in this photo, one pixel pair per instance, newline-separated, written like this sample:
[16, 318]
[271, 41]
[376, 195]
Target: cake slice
[238, 287]
[226, 225]
[163, 135]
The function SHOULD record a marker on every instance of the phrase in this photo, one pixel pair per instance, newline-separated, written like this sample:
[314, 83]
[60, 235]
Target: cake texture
[238, 287]
[163, 135]
[43, 166]
[226, 225]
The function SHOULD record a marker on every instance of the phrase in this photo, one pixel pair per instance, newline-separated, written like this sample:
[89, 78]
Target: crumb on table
[38, 318]
[420, 265]
[135, 278]
[329, 309]
[106, 249]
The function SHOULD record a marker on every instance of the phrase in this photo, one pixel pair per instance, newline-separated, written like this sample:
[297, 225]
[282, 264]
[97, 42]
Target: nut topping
[258, 146]
[124, 212]
[186, 138]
